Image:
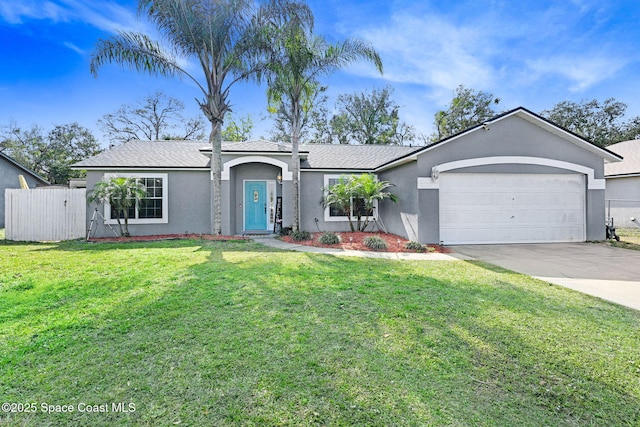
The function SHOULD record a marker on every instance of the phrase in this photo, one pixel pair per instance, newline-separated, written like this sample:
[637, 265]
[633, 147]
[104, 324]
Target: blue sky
[527, 53]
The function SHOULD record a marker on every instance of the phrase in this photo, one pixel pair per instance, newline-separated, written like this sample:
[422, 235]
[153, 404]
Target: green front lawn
[210, 333]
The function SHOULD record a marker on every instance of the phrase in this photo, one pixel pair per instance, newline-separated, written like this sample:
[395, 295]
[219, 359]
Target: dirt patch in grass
[355, 241]
[166, 237]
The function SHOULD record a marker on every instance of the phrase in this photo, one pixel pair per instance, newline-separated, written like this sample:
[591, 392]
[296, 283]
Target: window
[153, 208]
[335, 213]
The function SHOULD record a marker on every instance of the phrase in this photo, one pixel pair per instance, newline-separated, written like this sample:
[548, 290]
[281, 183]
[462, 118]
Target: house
[517, 178]
[623, 184]
[10, 170]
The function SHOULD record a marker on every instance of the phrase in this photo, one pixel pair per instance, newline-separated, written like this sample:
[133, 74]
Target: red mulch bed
[165, 237]
[354, 241]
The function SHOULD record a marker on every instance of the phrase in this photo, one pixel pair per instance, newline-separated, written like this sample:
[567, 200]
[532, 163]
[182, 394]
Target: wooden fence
[45, 214]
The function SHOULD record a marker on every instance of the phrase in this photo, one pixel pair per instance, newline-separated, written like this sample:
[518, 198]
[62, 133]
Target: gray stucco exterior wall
[595, 215]
[429, 218]
[401, 218]
[311, 184]
[188, 204]
[9, 179]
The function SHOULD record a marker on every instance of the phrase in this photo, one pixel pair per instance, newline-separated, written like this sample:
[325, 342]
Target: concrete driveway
[596, 269]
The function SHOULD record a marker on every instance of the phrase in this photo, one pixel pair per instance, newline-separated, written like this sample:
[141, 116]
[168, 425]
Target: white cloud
[74, 48]
[107, 15]
[15, 12]
[582, 71]
[430, 50]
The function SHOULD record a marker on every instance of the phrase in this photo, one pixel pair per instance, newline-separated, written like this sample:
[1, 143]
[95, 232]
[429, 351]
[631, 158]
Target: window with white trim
[153, 208]
[335, 213]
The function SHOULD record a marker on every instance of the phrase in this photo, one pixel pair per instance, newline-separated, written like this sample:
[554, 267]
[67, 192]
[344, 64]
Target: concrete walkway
[275, 243]
[596, 269]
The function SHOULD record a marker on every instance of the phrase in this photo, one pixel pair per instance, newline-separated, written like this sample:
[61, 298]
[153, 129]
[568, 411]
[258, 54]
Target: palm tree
[368, 190]
[298, 59]
[356, 196]
[340, 195]
[122, 194]
[222, 36]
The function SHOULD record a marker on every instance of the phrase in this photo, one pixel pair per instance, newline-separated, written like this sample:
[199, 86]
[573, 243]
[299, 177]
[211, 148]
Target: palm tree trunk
[351, 223]
[295, 167]
[215, 139]
[126, 222]
[120, 226]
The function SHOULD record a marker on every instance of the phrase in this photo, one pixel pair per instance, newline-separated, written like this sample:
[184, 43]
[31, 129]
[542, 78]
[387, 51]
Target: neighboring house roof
[24, 169]
[630, 165]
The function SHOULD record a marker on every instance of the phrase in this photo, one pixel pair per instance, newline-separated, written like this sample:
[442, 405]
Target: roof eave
[343, 170]
[116, 167]
[412, 157]
[623, 175]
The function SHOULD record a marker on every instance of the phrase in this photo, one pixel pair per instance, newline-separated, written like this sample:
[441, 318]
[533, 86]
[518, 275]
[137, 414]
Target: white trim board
[287, 175]
[432, 182]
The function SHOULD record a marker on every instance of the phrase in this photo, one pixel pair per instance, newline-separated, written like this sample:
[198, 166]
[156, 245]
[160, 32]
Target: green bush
[285, 231]
[414, 246]
[299, 236]
[375, 243]
[329, 239]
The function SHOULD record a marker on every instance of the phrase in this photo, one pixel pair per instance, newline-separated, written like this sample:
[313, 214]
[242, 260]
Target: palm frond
[136, 50]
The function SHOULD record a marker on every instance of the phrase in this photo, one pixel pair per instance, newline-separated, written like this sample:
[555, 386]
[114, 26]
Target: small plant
[414, 246]
[285, 231]
[299, 236]
[329, 239]
[375, 243]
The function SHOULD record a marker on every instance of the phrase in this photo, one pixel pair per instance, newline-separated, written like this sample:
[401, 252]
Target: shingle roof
[359, 157]
[630, 164]
[192, 154]
[260, 146]
[150, 154]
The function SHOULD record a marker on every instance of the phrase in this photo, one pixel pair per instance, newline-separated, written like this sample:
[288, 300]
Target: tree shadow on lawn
[372, 338]
[249, 335]
[82, 245]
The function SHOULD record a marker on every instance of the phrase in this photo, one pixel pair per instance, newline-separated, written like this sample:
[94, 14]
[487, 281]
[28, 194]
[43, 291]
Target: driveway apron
[596, 269]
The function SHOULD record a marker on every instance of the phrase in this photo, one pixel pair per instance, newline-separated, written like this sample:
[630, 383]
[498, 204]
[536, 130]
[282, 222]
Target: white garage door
[511, 208]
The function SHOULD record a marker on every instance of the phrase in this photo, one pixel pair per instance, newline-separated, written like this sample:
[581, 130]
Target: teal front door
[255, 205]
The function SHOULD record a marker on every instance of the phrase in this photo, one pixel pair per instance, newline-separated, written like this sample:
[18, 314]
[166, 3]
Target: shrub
[329, 239]
[375, 243]
[299, 236]
[285, 231]
[414, 246]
